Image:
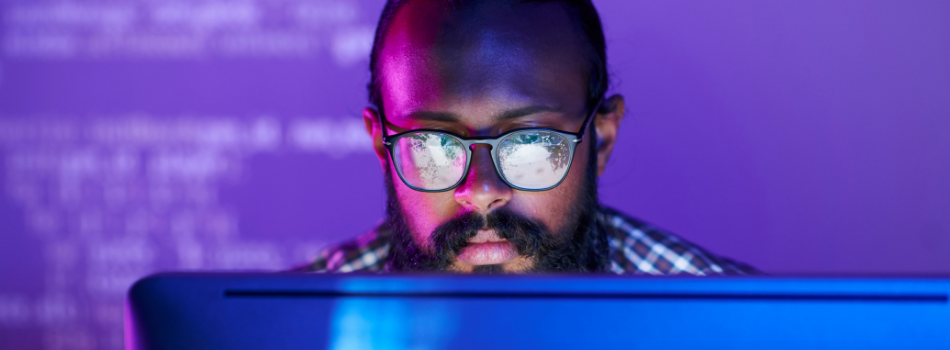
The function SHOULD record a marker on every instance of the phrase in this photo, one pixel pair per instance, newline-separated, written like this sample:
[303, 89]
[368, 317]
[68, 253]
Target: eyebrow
[524, 111]
[507, 115]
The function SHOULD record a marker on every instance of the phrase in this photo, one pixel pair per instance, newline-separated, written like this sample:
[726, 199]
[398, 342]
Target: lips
[486, 248]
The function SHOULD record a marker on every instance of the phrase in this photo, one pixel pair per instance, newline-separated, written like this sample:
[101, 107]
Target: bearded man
[491, 123]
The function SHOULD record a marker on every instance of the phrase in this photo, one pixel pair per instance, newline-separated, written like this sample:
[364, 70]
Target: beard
[577, 247]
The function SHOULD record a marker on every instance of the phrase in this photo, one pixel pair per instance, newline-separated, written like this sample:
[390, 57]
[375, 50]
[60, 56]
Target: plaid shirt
[635, 248]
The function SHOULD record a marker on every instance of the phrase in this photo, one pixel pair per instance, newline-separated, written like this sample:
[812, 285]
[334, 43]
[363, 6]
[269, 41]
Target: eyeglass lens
[531, 159]
[534, 159]
[429, 161]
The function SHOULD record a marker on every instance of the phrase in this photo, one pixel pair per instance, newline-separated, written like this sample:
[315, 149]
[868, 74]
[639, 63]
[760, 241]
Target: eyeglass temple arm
[587, 120]
[382, 125]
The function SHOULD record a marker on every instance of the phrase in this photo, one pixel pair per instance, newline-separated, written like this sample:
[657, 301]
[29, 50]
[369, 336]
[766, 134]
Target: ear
[607, 122]
[374, 128]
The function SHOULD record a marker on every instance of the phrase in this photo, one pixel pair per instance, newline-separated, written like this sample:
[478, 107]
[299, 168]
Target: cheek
[424, 211]
[554, 207]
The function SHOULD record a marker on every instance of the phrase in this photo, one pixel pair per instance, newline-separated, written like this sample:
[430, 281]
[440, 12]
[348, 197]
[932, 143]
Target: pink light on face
[409, 74]
[463, 72]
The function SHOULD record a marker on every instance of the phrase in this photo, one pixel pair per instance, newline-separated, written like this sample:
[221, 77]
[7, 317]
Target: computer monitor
[316, 311]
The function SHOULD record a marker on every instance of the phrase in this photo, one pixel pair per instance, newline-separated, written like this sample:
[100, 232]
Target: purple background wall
[137, 136]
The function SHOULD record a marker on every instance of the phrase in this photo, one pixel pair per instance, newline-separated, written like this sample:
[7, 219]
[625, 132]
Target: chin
[490, 269]
[519, 264]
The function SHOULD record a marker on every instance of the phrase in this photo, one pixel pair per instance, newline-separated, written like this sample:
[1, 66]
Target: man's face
[484, 71]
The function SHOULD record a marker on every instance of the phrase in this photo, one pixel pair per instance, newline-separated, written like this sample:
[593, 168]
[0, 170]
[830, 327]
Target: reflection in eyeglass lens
[534, 159]
[429, 161]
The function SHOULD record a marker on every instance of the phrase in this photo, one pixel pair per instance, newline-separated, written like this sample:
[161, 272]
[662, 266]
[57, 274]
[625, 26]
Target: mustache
[528, 236]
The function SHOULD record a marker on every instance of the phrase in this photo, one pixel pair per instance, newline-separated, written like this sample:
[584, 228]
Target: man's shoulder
[365, 253]
[636, 247]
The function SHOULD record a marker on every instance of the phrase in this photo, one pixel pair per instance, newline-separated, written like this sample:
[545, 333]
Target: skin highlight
[494, 67]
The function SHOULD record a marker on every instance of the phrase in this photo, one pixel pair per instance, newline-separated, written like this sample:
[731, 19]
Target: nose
[482, 189]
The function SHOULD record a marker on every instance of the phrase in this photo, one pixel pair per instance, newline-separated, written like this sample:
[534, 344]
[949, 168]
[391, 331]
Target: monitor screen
[314, 311]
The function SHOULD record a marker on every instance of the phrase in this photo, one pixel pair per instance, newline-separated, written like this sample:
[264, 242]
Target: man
[491, 124]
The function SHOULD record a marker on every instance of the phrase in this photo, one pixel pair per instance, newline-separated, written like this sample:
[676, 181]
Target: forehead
[480, 58]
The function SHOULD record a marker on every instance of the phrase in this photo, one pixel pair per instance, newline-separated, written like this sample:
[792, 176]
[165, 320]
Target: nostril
[496, 203]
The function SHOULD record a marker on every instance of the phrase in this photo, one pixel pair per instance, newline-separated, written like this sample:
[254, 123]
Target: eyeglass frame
[389, 141]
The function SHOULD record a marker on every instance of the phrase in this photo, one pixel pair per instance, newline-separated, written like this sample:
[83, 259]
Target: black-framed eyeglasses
[530, 159]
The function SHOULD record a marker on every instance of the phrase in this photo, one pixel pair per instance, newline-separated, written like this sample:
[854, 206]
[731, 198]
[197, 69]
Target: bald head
[478, 49]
